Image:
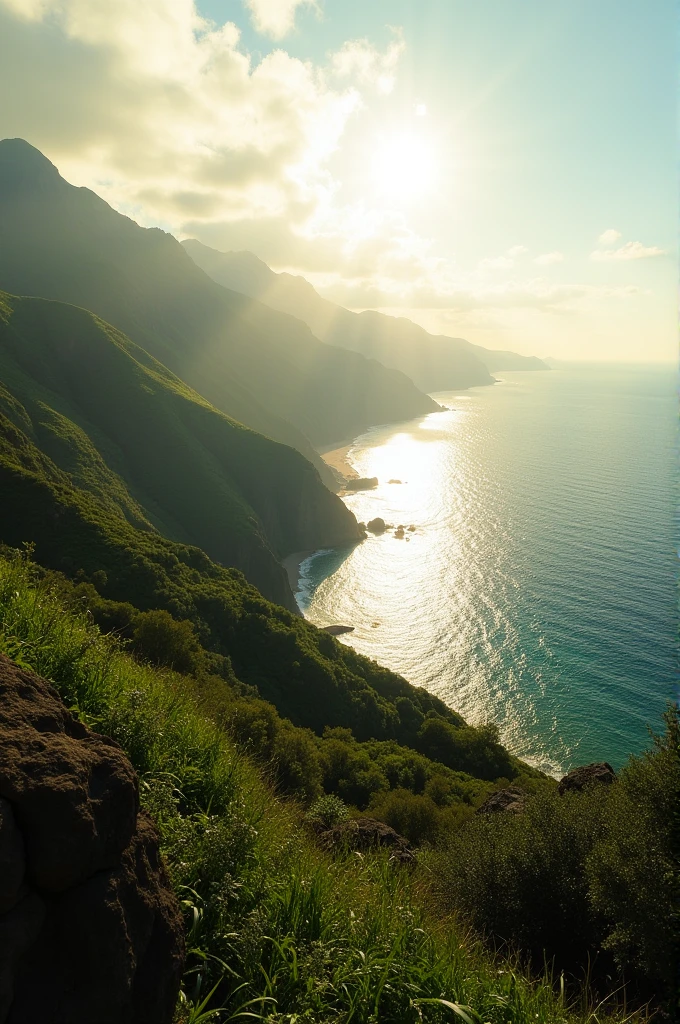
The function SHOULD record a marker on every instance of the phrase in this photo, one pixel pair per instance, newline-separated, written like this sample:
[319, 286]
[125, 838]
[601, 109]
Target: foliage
[589, 876]
[328, 811]
[165, 641]
[275, 927]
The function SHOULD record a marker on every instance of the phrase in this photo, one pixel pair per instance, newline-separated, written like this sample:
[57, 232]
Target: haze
[498, 171]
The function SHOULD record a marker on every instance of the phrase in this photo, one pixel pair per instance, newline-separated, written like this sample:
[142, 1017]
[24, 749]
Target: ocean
[538, 589]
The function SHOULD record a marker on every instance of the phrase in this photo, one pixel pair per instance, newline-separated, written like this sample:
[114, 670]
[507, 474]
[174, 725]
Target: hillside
[262, 367]
[276, 923]
[435, 363]
[119, 426]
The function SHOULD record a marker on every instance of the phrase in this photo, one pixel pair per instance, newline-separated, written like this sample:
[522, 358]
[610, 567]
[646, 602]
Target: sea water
[538, 589]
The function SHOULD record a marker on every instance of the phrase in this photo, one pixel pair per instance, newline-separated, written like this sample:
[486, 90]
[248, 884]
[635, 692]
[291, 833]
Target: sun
[404, 166]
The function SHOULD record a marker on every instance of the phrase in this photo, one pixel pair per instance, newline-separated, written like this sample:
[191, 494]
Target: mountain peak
[21, 165]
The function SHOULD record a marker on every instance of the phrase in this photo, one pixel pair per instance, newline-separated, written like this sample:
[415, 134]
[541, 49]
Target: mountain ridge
[434, 362]
[264, 368]
[121, 426]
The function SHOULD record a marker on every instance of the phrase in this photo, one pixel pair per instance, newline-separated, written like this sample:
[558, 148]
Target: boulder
[90, 930]
[511, 800]
[578, 778]
[362, 483]
[336, 630]
[366, 834]
[376, 525]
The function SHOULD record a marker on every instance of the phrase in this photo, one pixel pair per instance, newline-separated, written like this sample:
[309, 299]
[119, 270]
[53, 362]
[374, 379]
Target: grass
[277, 930]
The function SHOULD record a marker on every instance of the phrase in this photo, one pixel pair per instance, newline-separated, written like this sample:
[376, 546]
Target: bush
[590, 876]
[475, 751]
[415, 817]
[327, 812]
[162, 640]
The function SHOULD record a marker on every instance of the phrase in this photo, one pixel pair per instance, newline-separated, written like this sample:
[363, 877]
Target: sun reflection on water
[499, 600]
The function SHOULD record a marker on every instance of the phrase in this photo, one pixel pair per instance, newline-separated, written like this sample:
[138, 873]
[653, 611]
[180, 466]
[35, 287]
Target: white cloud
[276, 18]
[361, 61]
[547, 258]
[629, 251]
[609, 237]
[170, 119]
[165, 115]
[497, 263]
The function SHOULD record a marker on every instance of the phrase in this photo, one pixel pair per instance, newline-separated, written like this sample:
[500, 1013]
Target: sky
[499, 170]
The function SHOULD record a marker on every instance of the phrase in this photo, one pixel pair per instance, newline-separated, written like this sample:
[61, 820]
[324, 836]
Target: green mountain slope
[435, 363]
[307, 674]
[119, 426]
[264, 368]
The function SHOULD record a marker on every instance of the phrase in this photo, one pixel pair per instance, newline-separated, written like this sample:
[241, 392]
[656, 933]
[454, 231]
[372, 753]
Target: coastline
[291, 563]
[336, 458]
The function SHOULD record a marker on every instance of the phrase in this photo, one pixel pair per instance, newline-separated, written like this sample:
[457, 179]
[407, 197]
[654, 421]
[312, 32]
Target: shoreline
[291, 563]
[335, 456]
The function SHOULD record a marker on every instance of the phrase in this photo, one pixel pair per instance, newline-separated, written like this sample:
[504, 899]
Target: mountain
[89, 411]
[264, 368]
[434, 362]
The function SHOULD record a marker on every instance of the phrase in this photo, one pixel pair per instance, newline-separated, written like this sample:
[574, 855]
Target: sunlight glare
[404, 166]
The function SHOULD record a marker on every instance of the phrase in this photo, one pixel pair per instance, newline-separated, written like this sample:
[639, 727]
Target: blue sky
[454, 161]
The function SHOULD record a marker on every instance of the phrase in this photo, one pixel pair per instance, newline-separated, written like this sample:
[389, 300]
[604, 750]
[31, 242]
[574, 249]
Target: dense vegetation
[277, 928]
[585, 877]
[118, 425]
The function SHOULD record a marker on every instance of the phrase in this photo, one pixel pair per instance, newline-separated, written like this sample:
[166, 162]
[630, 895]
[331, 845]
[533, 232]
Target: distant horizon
[448, 163]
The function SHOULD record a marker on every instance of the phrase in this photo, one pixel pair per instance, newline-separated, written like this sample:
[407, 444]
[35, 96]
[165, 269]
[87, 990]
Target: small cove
[538, 589]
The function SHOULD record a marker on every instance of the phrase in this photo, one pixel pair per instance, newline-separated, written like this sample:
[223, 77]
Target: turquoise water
[538, 590]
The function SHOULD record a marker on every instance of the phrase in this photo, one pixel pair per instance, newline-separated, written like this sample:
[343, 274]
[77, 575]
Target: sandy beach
[337, 459]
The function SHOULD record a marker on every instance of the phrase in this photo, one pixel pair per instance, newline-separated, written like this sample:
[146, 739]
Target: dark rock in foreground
[512, 800]
[366, 834]
[377, 525]
[578, 778]
[90, 930]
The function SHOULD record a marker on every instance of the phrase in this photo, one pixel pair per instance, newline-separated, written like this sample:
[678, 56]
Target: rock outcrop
[511, 800]
[368, 833]
[90, 931]
[578, 778]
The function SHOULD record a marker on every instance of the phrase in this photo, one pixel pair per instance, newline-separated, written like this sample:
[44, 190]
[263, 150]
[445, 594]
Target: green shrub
[328, 811]
[586, 877]
[415, 817]
[162, 640]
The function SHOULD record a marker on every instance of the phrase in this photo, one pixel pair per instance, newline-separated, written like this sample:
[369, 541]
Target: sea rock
[399, 533]
[363, 483]
[366, 834]
[90, 929]
[376, 525]
[578, 778]
[337, 630]
[511, 800]
[394, 481]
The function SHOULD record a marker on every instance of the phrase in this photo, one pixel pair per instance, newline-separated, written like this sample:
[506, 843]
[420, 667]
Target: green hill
[100, 445]
[264, 368]
[122, 428]
[435, 363]
[280, 930]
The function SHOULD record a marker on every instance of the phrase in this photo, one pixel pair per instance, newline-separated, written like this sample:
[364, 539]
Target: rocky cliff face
[90, 931]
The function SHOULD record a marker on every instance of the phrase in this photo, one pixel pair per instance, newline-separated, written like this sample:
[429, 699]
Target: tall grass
[276, 929]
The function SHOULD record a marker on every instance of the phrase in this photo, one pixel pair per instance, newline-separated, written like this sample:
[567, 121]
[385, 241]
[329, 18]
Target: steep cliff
[86, 409]
[264, 368]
